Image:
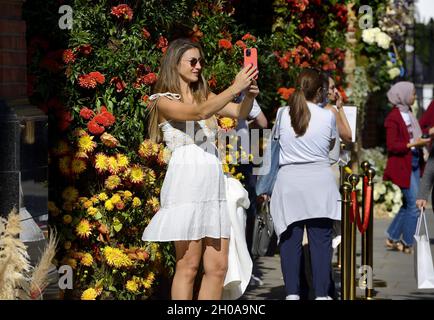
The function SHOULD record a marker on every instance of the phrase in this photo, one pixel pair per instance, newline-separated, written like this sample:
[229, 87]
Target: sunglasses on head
[194, 61]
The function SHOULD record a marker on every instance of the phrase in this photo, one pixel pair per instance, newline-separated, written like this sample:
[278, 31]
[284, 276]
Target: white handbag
[424, 269]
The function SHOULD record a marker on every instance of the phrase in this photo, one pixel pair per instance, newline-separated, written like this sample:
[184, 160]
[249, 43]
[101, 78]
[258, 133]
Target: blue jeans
[405, 220]
[319, 232]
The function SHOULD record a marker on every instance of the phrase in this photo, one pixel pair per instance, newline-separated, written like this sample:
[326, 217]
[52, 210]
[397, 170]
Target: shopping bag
[262, 231]
[424, 268]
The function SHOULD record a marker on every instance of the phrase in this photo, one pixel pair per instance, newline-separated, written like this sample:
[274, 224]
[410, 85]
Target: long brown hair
[309, 84]
[168, 81]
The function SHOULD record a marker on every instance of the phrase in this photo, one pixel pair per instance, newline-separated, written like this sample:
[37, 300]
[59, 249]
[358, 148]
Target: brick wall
[13, 74]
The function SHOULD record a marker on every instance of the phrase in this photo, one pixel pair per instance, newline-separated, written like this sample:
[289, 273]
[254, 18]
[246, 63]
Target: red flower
[308, 41]
[145, 98]
[86, 113]
[196, 34]
[225, 44]
[248, 36]
[85, 49]
[110, 118]
[119, 84]
[94, 128]
[212, 82]
[68, 56]
[162, 43]
[149, 79]
[120, 205]
[99, 77]
[85, 81]
[316, 45]
[146, 33]
[285, 93]
[241, 44]
[122, 10]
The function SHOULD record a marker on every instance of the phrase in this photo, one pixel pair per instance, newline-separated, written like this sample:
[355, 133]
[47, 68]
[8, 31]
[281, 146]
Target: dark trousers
[319, 233]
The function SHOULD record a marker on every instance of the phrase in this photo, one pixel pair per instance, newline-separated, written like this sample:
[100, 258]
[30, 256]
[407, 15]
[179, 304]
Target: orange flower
[285, 93]
[241, 44]
[68, 56]
[108, 140]
[248, 36]
[122, 11]
[225, 44]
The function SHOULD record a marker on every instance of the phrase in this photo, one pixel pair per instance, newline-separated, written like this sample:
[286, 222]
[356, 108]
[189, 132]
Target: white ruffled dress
[193, 196]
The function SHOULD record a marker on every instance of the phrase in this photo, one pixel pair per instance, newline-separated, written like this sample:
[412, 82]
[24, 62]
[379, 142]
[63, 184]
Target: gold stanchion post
[365, 165]
[354, 180]
[370, 237]
[345, 242]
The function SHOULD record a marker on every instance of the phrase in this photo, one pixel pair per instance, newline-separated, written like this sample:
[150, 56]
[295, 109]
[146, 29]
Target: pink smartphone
[251, 57]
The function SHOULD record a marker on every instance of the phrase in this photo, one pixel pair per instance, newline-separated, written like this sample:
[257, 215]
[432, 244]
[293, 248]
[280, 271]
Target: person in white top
[194, 212]
[305, 193]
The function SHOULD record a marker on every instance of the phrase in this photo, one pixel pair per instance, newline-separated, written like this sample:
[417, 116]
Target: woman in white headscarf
[404, 163]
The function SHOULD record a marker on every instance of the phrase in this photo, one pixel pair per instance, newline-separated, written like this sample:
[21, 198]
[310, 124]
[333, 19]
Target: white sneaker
[292, 297]
[323, 298]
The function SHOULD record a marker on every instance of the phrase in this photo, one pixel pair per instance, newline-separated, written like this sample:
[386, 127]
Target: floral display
[94, 82]
[387, 196]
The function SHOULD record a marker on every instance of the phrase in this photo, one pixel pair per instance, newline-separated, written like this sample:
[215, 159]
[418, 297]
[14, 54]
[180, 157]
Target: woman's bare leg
[215, 265]
[188, 256]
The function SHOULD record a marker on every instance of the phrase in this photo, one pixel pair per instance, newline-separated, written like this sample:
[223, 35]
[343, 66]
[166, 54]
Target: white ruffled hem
[189, 221]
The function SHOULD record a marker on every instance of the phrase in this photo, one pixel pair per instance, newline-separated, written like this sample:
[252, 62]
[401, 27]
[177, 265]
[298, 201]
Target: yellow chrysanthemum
[150, 176]
[53, 209]
[82, 200]
[115, 199]
[65, 165]
[70, 194]
[92, 211]
[86, 143]
[136, 202]
[112, 182]
[71, 262]
[226, 168]
[94, 199]
[78, 166]
[148, 149]
[67, 206]
[164, 156]
[147, 283]
[102, 196]
[89, 294]
[108, 140]
[116, 258]
[109, 205]
[123, 160]
[67, 245]
[132, 286]
[127, 195]
[62, 148]
[113, 165]
[153, 203]
[151, 276]
[137, 175]
[87, 260]
[87, 204]
[227, 123]
[101, 162]
[67, 219]
[83, 229]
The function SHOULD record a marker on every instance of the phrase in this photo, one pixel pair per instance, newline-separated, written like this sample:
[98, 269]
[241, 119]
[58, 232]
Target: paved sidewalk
[393, 271]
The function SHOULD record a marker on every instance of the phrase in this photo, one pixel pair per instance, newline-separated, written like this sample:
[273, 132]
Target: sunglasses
[194, 61]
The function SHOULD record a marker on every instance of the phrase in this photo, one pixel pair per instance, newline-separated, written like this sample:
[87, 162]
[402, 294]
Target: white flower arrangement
[375, 35]
[387, 196]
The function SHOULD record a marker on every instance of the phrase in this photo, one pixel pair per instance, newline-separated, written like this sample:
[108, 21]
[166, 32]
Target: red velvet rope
[355, 212]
